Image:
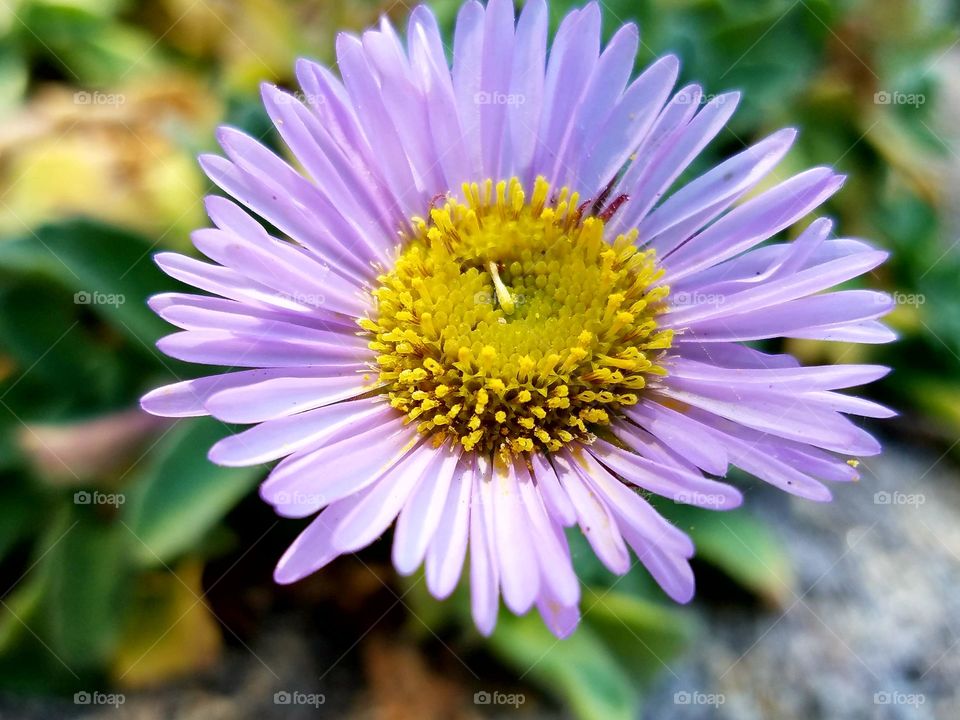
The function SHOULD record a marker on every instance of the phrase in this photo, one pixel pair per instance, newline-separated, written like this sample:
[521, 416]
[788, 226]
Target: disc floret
[511, 325]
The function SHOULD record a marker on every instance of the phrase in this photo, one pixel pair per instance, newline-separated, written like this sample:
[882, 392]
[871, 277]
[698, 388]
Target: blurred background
[135, 576]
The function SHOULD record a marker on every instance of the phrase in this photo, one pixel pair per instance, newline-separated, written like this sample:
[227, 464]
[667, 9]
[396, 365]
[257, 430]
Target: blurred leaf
[86, 39]
[21, 508]
[939, 399]
[63, 363]
[580, 669]
[109, 270]
[110, 53]
[90, 451]
[644, 635]
[13, 77]
[27, 664]
[170, 631]
[19, 607]
[86, 561]
[179, 497]
[740, 545]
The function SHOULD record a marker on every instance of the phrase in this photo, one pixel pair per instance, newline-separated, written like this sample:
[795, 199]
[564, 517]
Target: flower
[483, 323]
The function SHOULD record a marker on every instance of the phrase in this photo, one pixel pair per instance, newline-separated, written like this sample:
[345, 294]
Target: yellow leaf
[170, 632]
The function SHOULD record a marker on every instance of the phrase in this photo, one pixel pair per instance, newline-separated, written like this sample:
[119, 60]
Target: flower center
[511, 324]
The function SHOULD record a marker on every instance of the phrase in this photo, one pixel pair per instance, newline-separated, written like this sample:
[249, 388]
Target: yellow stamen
[503, 292]
[511, 325]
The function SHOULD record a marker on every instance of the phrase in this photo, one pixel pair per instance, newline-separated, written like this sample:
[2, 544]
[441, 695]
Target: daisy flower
[472, 307]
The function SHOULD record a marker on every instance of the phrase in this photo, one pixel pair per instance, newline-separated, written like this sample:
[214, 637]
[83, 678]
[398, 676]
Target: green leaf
[26, 665]
[61, 366]
[20, 509]
[13, 77]
[580, 669]
[86, 561]
[644, 635]
[740, 545]
[19, 608]
[182, 495]
[108, 270]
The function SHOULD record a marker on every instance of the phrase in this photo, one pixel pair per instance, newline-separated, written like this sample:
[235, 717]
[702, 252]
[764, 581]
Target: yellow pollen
[510, 324]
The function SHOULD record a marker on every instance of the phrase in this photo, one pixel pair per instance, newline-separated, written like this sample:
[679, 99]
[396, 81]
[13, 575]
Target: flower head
[483, 323]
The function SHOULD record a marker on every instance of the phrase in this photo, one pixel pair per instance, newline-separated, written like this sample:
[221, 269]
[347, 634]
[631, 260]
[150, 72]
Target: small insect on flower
[484, 324]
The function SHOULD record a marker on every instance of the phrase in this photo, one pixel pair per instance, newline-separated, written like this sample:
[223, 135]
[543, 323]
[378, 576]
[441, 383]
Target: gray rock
[872, 628]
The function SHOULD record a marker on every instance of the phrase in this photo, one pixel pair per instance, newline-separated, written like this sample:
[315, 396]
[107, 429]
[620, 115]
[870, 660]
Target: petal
[273, 398]
[549, 543]
[497, 60]
[798, 285]
[467, 64]
[554, 496]
[627, 124]
[560, 619]
[312, 549]
[305, 482]
[332, 171]
[572, 58]
[276, 438]
[448, 547]
[188, 398]
[519, 575]
[484, 572]
[421, 515]
[526, 88]
[280, 348]
[672, 572]
[703, 199]
[172, 308]
[599, 103]
[374, 514]
[753, 222]
[681, 435]
[801, 379]
[757, 454]
[783, 416]
[651, 175]
[430, 64]
[377, 124]
[628, 506]
[795, 318]
[869, 331]
[594, 516]
[680, 486]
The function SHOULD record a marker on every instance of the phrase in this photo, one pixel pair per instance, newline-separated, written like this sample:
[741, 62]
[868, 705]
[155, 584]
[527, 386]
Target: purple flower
[484, 323]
